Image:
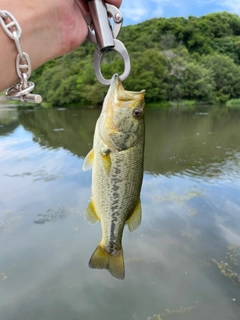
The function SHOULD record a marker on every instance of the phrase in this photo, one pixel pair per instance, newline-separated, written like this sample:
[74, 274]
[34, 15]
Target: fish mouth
[121, 94]
[115, 82]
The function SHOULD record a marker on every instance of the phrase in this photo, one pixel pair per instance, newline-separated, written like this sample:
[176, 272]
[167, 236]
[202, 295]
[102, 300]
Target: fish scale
[114, 193]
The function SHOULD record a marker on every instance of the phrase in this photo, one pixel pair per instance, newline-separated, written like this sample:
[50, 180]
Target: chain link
[22, 90]
[20, 67]
[5, 15]
[17, 42]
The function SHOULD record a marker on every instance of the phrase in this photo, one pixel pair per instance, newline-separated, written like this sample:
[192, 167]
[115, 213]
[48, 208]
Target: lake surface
[185, 255]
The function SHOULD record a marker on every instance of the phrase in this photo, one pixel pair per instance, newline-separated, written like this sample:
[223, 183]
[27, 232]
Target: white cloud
[228, 5]
[231, 5]
[204, 2]
[135, 14]
[230, 236]
[134, 10]
[137, 10]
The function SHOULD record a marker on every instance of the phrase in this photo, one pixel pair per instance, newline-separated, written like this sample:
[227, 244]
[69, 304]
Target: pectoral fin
[90, 214]
[134, 220]
[88, 161]
[106, 161]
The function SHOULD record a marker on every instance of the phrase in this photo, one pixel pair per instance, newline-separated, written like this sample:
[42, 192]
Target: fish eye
[137, 113]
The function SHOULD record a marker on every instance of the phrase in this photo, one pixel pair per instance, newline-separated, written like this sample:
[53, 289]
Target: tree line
[174, 59]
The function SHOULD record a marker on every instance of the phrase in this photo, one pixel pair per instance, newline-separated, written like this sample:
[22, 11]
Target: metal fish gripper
[101, 33]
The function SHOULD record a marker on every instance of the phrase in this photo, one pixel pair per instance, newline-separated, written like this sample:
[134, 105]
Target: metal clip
[101, 33]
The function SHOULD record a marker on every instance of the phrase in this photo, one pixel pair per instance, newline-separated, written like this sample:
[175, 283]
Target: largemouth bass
[117, 172]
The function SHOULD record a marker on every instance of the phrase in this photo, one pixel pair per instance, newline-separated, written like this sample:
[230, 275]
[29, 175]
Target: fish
[116, 160]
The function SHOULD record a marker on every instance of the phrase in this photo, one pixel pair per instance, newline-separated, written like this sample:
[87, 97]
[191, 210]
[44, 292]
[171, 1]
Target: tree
[226, 75]
[177, 63]
[171, 58]
[198, 83]
[148, 71]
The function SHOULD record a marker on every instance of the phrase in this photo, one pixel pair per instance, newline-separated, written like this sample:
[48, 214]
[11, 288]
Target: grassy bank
[164, 104]
[233, 103]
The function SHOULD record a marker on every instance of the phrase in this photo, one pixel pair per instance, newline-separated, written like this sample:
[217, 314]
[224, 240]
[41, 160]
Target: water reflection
[190, 227]
[68, 129]
[8, 120]
[189, 143]
[176, 143]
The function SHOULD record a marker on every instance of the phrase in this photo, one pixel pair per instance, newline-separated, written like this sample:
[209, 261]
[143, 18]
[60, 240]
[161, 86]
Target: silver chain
[19, 91]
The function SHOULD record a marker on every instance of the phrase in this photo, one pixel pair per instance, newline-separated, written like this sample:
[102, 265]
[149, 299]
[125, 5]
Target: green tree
[177, 62]
[198, 83]
[57, 85]
[166, 59]
[149, 71]
[226, 75]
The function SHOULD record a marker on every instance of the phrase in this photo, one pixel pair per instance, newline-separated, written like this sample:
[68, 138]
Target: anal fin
[90, 213]
[134, 220]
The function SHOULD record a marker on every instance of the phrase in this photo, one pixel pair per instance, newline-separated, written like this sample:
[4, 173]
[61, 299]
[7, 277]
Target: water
[191, 219]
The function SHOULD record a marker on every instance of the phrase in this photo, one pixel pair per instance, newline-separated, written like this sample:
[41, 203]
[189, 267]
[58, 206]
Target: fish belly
[116, 187]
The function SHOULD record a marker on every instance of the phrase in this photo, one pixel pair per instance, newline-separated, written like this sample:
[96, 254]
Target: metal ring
[121, 49]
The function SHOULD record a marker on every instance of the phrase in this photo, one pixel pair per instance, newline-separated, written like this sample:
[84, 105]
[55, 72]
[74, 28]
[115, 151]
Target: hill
[173, 59]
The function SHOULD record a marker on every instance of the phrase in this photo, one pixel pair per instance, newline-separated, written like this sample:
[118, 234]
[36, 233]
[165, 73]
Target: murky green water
[185, 255]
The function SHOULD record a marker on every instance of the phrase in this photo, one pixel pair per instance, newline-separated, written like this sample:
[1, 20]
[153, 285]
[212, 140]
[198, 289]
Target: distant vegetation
[174, 59]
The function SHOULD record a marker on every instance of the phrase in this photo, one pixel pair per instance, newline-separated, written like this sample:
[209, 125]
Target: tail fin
[101, 259]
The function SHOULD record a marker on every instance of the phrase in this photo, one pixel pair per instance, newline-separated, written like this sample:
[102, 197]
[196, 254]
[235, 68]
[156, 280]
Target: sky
[136, 11]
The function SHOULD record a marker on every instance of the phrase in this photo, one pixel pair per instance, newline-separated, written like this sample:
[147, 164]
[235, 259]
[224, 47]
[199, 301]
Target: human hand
[72, 25]
[50, 28]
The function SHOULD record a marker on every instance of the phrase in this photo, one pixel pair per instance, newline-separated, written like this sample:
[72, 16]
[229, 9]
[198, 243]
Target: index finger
[116, 3]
